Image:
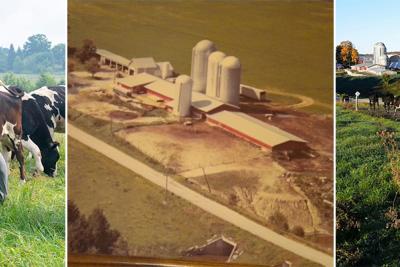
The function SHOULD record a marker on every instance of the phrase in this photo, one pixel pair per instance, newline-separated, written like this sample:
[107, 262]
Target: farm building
[256, 132]
[134, 84]
[253, 93]
[144, 65]
[113, 60]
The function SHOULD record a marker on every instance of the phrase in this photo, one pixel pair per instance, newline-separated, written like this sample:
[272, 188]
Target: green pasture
[32, 220]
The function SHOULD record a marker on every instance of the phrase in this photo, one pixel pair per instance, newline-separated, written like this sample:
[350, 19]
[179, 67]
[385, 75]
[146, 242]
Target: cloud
[22, 18]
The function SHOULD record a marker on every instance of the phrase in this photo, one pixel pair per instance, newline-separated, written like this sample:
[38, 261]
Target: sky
[366, 22]
[20, 19]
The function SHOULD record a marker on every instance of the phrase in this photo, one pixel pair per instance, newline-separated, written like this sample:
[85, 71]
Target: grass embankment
[135, 208]
[367, 194]
[366, 85]
[282, 45]
[32, 223]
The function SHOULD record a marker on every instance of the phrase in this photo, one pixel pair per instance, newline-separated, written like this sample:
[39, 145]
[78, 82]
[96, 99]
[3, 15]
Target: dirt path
[305, 101]
[199, 200]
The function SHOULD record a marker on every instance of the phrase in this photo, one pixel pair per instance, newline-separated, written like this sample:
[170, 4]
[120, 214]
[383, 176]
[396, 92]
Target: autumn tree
[93, 66]
[347, 54]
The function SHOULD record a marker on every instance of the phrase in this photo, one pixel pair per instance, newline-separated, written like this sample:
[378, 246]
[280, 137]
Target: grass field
[286, 45]
[135, 207]
[34, 77]
[32, 218]
[366, 192]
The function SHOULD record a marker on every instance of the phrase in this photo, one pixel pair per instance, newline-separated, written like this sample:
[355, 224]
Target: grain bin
[230, 80]
[183, 102]
[200, 54]
[213, 73]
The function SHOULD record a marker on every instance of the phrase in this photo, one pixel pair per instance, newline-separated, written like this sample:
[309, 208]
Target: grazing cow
[51, 101]
[3, 179]
[11, 126]
[388, 101]
[373, 101]
[37, 137]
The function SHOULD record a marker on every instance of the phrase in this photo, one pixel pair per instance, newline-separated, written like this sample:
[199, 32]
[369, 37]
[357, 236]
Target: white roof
[254, 128]
[143, 63]
[138, 79]
[114, 57]
[204, 103]
[164, 88]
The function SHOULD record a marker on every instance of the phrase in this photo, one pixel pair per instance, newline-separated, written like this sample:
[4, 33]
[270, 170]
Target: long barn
[255, 131]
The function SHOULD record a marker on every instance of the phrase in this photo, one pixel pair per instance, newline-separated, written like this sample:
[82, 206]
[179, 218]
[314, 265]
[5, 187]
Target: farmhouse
[256, 132]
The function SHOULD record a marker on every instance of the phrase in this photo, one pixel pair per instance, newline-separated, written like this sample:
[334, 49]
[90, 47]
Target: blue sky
[20, 19]
[365, 22]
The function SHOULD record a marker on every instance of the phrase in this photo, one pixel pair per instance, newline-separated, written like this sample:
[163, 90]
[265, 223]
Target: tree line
[36, 56]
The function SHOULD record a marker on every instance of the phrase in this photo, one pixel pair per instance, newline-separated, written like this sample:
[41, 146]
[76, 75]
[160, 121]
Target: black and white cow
[11, 126]
[37, 137]
[51, 101]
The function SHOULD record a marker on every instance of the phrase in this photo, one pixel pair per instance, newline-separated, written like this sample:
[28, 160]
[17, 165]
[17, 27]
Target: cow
[396, 104]
[3, 179]
[388, 101]
[373, 101]
[11, 127]
[37, 138]
[51, 101]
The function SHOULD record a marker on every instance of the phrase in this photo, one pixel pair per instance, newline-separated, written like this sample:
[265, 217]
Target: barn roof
[254, 128]
[163, 87]
[143, 63]
[114, 57]
[138, 79]
[204, 103]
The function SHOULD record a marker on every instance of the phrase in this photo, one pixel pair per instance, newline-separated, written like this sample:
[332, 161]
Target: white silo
[183, 101]
[380, 54]
[200, 54]
[230, 80]
[213, 71]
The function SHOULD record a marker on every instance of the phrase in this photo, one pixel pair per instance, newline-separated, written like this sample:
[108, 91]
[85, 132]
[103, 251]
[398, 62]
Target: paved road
[199, 200]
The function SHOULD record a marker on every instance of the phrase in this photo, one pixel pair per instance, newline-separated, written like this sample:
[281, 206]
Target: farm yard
[168, 32]
[32, 219]
[153, 223]
[368, 185]
[156, 137]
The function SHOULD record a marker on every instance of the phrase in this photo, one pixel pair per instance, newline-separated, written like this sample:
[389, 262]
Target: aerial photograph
[368, 139]
[32, 133]
[201, 132]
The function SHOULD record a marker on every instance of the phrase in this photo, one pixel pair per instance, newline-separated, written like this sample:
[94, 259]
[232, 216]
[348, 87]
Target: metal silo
[200, 54]
[230, 80]
[213, 73]
[183, 101]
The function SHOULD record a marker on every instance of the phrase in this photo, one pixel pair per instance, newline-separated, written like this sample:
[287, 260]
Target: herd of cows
[29, 121]
[390, 102]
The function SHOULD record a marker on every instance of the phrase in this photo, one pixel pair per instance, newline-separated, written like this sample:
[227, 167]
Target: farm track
[199, 200]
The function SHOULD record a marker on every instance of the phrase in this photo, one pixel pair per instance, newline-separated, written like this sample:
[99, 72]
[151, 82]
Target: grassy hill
[365, 85]
[32, 218]
[366, 191]
[282, 44]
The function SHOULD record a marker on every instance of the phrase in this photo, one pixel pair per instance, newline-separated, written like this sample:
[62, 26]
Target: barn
[133, 84]
[256, 132]
[113, 60]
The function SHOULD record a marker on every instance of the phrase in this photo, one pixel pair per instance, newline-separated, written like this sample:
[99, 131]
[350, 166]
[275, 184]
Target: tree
[58, 52]
[45, 79]
[11, 57]
[385, 82]
[36, 43]
[346, 54]
[87, 51]
[93, 66]
[354, 56]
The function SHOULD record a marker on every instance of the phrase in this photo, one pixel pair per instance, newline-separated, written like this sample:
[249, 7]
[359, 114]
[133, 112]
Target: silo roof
[114, 57]
[254, 128]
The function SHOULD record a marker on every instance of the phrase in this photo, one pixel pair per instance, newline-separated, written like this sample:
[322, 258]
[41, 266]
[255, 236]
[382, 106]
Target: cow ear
[54, 145]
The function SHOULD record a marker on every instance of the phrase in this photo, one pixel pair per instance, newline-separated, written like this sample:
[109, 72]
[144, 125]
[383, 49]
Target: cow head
[50, 156]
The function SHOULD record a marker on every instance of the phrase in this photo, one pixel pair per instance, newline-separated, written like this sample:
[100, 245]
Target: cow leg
[35, 152]
[3, 179]
[7, 158]
[19, 153]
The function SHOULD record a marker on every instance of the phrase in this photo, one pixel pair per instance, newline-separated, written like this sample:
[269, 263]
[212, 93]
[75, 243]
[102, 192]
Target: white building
[380, 54]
